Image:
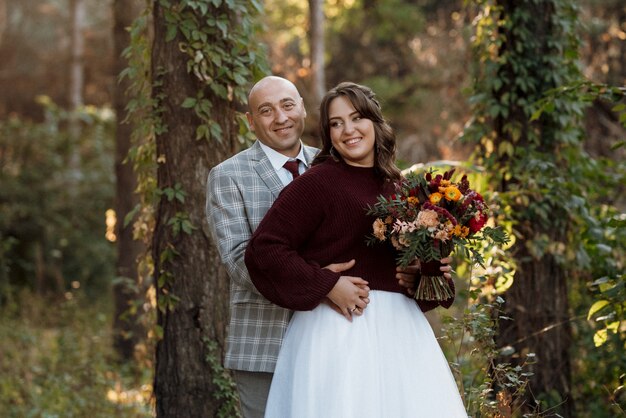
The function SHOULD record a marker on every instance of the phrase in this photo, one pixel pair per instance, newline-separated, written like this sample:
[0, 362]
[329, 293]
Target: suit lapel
[265, 170]
[309, 154]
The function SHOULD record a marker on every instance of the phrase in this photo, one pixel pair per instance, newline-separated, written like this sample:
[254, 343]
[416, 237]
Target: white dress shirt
[278, 160]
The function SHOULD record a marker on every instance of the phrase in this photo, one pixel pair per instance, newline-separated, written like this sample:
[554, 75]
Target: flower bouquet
[427, 218]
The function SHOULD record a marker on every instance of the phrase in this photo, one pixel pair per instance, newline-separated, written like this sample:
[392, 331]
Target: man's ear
[250, 121]
[303, 108]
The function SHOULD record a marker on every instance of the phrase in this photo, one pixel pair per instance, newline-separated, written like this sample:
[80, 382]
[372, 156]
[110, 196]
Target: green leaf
[131, 214]
[171, 33]
[600, 337]
[216, 131]
[189, 102]
[202, 131]
[596, 307]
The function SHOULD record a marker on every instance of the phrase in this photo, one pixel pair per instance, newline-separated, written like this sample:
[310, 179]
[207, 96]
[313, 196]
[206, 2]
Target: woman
[386, 362]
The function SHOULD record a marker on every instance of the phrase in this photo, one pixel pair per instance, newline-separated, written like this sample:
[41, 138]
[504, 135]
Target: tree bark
[3, 19]
[75, 86]
[537, 301]
[127, 330]
[184, 381]
[77, 51]
[318, 49]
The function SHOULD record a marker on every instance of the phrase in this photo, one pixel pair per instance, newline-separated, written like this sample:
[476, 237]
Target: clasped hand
[350, 295]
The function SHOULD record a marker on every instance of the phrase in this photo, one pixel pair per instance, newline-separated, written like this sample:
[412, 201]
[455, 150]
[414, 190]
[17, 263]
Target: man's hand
[341, 267]
[407, 276]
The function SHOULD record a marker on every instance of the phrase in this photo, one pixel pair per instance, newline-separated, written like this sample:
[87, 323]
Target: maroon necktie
[292, 167]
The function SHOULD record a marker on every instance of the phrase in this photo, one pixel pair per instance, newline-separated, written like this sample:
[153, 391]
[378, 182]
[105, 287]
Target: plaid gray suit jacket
[240, 191]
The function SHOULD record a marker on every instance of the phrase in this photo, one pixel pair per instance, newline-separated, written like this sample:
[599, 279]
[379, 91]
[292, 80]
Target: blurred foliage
[59, 363]
[412, 53]
[527, 118]
[35, 54]
[598, 285]
[56, 188]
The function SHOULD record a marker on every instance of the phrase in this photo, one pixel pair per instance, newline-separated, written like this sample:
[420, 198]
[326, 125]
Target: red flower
[477, 222]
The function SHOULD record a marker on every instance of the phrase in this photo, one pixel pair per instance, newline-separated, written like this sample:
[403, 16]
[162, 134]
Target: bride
[385, 360]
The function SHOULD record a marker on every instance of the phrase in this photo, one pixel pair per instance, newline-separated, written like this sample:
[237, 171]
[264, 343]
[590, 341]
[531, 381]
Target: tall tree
[77, 51]
[76, 82]
[127, 329]
[201, 62]
[525, 48]
[318, 49]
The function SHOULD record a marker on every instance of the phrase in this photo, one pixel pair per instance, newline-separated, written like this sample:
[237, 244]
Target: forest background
[112, 301]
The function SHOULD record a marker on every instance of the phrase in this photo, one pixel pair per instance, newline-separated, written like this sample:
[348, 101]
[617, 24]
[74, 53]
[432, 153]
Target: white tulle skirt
[384, 364]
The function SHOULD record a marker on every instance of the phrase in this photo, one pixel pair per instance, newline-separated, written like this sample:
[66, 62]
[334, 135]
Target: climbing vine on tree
[531, 145]
[190, 83]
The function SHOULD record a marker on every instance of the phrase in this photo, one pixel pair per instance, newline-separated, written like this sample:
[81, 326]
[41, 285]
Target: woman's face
[352, 135]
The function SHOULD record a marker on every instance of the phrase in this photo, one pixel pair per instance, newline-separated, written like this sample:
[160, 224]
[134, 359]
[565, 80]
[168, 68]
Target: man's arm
[229, 225]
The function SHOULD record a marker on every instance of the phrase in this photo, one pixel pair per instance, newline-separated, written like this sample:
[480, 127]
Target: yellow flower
[412, 200]
[452, 193]
[460, 231]
[435, 198]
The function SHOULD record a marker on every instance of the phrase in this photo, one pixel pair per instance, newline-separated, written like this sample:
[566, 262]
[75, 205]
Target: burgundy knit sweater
[317, 220]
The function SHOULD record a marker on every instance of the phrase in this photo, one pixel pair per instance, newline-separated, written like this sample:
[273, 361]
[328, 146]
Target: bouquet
[428, 217]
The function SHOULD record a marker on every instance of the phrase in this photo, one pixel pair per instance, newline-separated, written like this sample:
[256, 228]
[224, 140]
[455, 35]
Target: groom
[240, 191]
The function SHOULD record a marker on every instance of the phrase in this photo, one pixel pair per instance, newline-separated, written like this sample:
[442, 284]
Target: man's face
[277, 115]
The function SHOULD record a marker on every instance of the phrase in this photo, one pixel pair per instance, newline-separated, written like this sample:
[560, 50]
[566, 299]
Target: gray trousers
[253, 388]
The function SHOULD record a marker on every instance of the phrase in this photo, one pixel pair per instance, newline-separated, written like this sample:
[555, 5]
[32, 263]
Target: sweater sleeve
[275, 265]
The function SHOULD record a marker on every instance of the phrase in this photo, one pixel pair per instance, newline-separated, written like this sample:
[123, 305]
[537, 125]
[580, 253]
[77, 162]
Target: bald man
[240, 191]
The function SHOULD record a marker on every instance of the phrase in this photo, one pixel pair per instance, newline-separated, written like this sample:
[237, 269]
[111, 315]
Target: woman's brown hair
[364, 101]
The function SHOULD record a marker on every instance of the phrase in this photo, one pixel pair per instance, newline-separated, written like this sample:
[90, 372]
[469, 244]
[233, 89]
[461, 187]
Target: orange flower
[434, 198]
[452, 193]
[460, 231]
[413, 200]
[379, 229]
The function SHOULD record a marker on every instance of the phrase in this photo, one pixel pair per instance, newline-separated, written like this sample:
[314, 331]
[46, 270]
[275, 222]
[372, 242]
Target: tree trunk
[538, 305]
[193, 274]
[3, 19]
[77, 50]
[318, 49]
[127, 330]
[537, 301]
[75, 85]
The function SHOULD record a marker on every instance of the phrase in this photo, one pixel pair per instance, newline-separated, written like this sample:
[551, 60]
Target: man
[240, 191]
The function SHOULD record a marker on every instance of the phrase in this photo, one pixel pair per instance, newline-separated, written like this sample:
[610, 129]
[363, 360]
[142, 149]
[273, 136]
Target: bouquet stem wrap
[433, 285]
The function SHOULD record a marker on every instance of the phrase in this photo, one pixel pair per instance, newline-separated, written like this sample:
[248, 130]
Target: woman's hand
[408, 276]
[340, 268]
[350, 295]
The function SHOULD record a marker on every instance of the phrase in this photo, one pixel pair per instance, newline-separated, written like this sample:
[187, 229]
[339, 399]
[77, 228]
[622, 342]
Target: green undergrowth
[56, 361]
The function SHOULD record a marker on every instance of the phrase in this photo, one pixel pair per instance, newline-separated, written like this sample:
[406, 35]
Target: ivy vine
[218, 41]
[530, 140]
